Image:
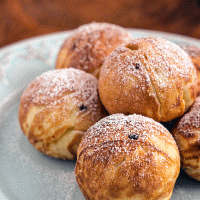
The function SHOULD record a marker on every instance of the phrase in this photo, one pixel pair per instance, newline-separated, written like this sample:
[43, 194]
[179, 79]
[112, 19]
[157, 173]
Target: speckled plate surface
[26, 174]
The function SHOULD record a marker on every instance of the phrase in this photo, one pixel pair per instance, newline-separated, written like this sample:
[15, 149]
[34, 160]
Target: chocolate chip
[133, 137]
[82, 107]
[137, 66]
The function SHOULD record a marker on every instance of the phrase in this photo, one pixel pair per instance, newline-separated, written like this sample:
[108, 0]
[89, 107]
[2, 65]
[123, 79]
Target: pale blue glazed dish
[26, 174]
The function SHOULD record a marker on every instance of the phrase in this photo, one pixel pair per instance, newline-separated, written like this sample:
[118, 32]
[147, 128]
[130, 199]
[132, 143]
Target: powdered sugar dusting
[92, 43]
[165, 59]
[115, 130]
[127, 152]
[94, 30]
[191, 119]
[51, 86]
[193, 51]
[149, 69]
[120, 126]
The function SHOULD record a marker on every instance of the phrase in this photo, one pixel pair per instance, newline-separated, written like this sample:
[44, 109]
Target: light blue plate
[26, 174]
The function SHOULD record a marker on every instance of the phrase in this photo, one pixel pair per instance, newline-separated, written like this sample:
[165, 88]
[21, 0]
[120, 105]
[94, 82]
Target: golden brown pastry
[127, 158]
[148, 76]
[89, 45]
[187, 135]
[194, 53]
[57, 108]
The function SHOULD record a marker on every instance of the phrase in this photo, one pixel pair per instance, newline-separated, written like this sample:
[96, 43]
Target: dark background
[20, 19]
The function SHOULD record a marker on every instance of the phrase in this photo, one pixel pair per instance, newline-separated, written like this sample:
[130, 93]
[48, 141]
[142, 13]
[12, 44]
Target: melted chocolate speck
[82, 107]
[133, 137]
[137, 66]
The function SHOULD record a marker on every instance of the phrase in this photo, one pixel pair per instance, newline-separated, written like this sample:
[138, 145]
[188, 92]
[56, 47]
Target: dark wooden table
[20, 19]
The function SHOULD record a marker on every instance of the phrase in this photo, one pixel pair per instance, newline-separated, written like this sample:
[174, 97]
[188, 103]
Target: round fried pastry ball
[194, 53]
[88, 46]
[187, 136]
[57, 108]
[148, 76]
[127, 158]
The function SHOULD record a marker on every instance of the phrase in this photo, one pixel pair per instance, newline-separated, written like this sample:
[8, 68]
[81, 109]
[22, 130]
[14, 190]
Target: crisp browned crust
[89, 45]
[187, 135]
[148, 76]
[194, 53]
[57, 108]
[125, 158]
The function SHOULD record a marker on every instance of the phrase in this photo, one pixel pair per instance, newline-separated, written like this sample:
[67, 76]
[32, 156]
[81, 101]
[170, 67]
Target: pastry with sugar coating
[194, 53]
[187, 136]
[127, 158]
[88, 46]
[57, 108]
[148, 76]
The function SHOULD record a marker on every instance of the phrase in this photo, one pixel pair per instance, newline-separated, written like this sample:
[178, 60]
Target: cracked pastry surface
[89, 45]
[194, 53]
[187, 136]
[57, 108]
[127, 157]
[148, 76]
